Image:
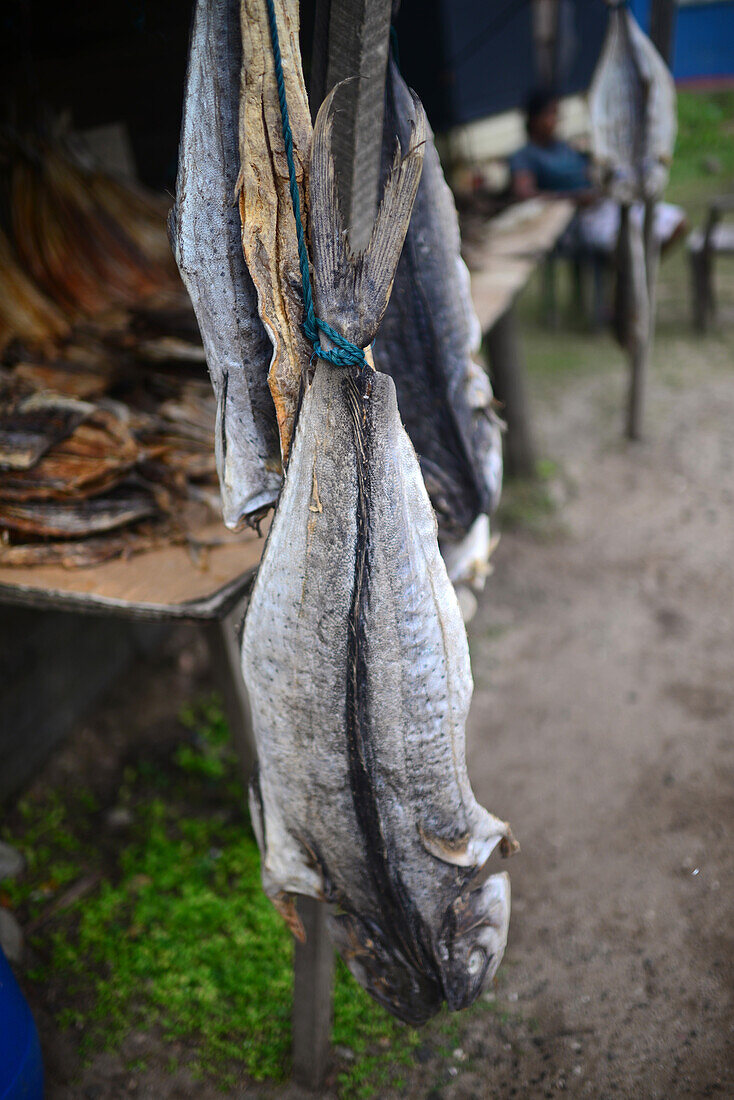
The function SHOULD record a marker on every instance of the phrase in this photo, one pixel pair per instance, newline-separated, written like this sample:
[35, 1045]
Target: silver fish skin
[632, 106]
[427, 341]
[357, 664]
[206, 237]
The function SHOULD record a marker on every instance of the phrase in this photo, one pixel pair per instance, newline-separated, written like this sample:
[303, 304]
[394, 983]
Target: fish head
[406, 990]
[472, 939]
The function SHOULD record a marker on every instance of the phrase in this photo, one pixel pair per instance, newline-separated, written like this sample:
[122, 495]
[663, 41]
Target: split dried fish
[427, 341]
[633, 113]
[73, 519]
[31, 425]
[357, 664]
[206, 237]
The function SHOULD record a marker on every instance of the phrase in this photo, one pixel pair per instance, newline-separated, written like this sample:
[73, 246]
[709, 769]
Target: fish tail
[353, 289]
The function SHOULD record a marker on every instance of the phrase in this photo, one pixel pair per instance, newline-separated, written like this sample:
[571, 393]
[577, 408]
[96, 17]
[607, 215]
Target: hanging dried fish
[206, 237]
[633, 127]
[357, 664]
[427, 341]
[268, 232]
[633, 112]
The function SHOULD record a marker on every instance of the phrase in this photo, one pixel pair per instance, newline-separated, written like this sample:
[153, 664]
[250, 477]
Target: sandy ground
[601, 727]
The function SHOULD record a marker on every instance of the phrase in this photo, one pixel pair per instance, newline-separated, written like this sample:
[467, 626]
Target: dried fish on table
[426, 342]
[74, 250]
[94, 458]
[206, 236]
[30, 425]
[80, 554]
[25, 313]
[357, 665]
[73, 519]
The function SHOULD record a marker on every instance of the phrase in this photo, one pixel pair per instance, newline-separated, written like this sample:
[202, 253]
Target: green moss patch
[162, 926]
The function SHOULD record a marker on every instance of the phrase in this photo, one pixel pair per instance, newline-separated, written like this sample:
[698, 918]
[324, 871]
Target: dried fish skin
[266, 209]
[205, 234]
[427, 341]
[356, 660]
[632, 104]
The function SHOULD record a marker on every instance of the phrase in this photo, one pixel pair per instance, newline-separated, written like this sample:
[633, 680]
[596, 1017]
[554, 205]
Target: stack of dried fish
[106, 419]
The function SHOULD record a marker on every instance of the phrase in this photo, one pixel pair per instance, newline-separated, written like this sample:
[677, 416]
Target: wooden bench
[714, 239]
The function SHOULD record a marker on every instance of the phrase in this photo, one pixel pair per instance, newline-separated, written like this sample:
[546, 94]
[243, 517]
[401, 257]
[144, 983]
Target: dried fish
[357, 665]
[25, 313]
[94, 458]
[89, 551]
[32, 425]
[427, 341]
[73, 519]
[268, 230]
[206, 237]
[633, 113]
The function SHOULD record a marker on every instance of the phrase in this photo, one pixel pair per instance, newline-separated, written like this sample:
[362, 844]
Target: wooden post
[357, 46]
[662, 27]
[508, 382]
[312, 1008]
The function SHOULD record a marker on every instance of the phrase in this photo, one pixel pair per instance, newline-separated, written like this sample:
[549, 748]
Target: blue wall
[704, 38]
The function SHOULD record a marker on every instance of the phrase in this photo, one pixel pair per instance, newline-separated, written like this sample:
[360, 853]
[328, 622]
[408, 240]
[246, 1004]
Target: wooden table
[199, 581]
[501, 263]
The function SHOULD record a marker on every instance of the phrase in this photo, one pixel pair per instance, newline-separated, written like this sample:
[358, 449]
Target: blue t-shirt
[556, 167]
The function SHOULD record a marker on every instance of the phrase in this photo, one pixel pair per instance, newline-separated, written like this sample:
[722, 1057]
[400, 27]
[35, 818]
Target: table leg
[508, 379]
[224, 648]
[312, 1001]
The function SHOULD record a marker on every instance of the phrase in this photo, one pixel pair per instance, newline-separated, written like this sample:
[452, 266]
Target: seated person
[547, 164]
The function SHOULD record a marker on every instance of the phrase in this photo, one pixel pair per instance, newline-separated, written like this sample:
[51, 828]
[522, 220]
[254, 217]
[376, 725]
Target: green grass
[177, 937]
[705, 130]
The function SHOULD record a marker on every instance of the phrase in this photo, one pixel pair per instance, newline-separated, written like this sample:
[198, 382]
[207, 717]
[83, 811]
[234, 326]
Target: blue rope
[344, 353]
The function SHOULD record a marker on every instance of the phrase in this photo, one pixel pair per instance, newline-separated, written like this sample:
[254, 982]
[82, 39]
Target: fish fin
[286, 906]
[455, 850]
[257, 810]
[471, 849]
[352, 290]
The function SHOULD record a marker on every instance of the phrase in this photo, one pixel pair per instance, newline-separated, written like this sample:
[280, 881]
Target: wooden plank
[528, 229]
[312, 1009]
[495, 285]
[167, 582]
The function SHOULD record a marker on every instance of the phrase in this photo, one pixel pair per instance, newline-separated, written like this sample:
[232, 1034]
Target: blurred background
[602, 647]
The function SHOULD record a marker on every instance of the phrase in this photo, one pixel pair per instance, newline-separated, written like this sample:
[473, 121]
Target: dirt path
[602, 727]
